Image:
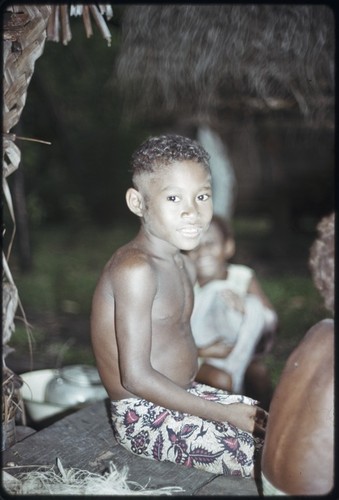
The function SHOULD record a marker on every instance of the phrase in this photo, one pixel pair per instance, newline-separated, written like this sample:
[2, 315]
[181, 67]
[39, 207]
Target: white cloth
[223, 178]
[214, 315]
[249, 333]
[225, 310]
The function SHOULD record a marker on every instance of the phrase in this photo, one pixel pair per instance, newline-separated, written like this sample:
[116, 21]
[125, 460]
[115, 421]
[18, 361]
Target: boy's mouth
[190, 231]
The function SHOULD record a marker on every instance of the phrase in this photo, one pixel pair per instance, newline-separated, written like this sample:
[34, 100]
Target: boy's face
[178, 203]
[211, 254]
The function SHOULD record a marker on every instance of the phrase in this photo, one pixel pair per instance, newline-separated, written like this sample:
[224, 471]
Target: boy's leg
[214, 377]
[258, 383]
[160, 434]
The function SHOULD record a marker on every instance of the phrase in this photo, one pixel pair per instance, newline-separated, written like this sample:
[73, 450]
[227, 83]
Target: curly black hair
[160, 151]
[321, 260]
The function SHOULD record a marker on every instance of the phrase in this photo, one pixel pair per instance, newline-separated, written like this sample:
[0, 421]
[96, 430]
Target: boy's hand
[222, 350]
[248, 418]
[217, 350]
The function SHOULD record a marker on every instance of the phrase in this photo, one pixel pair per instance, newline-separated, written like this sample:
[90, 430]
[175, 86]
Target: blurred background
[254, 83]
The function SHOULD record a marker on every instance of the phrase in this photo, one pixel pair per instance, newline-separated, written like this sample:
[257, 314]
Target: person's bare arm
[134, 338]
[256, 289]
[217, 350]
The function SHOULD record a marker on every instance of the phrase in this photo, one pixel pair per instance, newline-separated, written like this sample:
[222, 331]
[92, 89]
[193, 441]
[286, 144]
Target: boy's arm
[135, 289]
[217, 350]
[255, 288]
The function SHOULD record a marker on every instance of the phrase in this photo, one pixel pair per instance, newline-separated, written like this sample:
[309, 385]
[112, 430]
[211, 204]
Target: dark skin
[297, 448]
[140, 323]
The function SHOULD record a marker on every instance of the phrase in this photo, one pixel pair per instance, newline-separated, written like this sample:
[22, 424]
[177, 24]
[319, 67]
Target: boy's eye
[203, 197]
[173, 198]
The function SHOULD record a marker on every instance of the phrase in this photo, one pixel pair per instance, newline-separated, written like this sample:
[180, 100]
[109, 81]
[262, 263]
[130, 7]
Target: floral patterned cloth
[154, 432]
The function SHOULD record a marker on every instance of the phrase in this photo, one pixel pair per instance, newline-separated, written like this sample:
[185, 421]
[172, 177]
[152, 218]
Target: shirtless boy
[140, 324]
[298, 454]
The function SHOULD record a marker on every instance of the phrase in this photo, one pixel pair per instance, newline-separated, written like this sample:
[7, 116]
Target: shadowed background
[261, 77]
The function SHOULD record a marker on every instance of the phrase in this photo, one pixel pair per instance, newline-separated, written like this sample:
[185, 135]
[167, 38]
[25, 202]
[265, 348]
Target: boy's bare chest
[174, 297]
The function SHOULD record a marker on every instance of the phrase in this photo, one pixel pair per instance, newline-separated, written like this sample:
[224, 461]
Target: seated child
[140, 324]
[298, 455]
[231, 316]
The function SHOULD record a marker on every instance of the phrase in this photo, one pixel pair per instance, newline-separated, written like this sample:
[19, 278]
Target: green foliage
[299, 306]
[66, 267]
[57, 293]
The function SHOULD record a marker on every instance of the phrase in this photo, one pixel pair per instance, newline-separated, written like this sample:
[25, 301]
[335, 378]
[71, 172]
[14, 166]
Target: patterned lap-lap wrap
[154, 432]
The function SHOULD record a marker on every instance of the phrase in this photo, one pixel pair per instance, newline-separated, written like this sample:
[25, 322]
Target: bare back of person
[300, 433]
[165, 280]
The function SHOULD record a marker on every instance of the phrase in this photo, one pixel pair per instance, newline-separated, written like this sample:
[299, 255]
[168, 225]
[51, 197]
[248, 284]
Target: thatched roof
[249, 58]
[59, 27]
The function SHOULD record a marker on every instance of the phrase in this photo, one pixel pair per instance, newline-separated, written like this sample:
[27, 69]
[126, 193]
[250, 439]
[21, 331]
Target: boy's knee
[257, 369]
[215, 377]
[223, 380]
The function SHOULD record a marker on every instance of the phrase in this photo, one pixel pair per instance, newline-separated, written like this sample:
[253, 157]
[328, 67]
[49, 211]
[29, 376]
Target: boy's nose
[190, 210]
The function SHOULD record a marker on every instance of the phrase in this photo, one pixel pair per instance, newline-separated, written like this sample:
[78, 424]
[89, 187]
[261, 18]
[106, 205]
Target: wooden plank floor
[85, 440]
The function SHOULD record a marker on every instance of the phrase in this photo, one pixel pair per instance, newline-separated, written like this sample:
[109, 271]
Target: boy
[231, 316]
[140, 324]
[298, 455]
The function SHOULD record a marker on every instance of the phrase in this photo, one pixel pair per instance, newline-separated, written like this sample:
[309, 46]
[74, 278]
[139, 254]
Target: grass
[67, 265]
[57, 294]
[298, 306]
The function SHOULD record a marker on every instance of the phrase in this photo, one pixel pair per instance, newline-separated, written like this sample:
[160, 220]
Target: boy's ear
[229, 248]
[134, 201]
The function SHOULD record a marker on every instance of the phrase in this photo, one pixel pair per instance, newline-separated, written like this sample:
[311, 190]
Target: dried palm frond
[11, 156]
[81, 482]
[59, 24]
[10, 304]
[11, 397]
[13, 137]
[9, 307]
[24, 38]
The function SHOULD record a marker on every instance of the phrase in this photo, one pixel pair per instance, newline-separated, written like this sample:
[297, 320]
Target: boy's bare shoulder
[321, 333]
[128, 261]
[315, 352]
